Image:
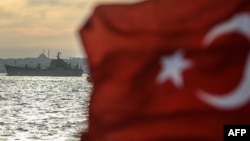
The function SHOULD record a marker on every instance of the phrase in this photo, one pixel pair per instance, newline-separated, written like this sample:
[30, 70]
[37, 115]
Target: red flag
[168, 70]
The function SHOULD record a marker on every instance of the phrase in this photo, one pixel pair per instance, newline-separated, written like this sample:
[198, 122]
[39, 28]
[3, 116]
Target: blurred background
[28, 27]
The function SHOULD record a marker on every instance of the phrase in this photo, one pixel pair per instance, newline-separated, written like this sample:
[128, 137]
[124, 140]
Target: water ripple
[43, 108]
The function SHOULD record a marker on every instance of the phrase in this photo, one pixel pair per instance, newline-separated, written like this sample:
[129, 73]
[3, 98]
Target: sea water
[43, 108]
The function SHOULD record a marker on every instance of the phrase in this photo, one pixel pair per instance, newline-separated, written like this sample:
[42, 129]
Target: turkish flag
[168, 69]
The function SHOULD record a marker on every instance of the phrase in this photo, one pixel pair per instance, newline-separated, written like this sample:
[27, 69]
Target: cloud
[57, 3]
[5, 14]
[39, 2]
[37, 23]
[46, 14]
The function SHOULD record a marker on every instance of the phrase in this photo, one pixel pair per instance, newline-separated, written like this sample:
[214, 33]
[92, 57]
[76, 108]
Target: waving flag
[168, 70]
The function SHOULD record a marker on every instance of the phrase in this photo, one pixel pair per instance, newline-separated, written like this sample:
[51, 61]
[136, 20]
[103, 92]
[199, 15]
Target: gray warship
[57, 68]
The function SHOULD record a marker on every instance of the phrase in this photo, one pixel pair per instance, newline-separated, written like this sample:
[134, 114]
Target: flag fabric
[171, 70]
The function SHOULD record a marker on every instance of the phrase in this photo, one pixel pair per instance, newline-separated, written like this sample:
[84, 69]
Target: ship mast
[48, 53]
[58, 55]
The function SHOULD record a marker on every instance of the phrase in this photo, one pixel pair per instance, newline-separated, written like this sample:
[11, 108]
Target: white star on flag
[172, 67]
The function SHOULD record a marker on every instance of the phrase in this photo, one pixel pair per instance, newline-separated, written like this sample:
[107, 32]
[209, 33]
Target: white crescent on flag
[241, 94]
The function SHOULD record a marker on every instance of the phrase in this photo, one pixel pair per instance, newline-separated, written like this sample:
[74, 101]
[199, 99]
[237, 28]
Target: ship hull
[18, 71]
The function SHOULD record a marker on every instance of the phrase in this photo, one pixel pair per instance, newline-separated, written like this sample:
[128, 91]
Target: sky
[29, 27]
